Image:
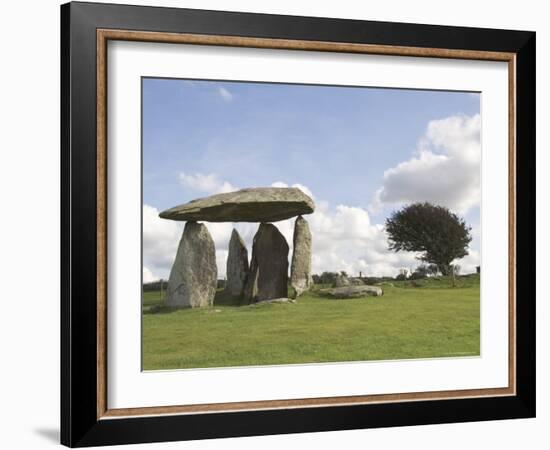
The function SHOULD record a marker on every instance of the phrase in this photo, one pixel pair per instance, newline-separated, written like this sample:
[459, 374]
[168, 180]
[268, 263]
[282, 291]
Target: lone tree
[435, 231]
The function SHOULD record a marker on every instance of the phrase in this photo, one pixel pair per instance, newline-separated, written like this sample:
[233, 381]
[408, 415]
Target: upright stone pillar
[300, 272]
[268, 274]
[237, 265]
[194, 275]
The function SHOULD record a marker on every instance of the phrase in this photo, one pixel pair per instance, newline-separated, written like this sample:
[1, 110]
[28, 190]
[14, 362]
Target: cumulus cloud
[225, 94]
[148, 275]
[303, 188]
[208, 184]
[344, 238]
[160, 242]
[445, 168]
[161, 239]
[469, 263]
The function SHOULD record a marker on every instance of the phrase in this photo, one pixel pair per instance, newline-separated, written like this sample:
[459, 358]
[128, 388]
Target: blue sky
[338, 142]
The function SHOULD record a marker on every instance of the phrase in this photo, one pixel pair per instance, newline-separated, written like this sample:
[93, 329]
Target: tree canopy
[438, 234]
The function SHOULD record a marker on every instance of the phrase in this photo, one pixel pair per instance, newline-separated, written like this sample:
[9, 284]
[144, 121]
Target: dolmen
[193, 277]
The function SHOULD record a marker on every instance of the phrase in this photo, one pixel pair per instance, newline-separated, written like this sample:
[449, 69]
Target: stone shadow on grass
[163, 309]
[224, 298]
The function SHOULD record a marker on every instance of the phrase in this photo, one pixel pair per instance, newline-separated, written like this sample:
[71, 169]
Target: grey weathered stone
[341, 280]
[354, 291]
[268, 274]
[194, 274]
[237, 265]
[246, 205]
[356, 282]
[300, 269]
[274, 301]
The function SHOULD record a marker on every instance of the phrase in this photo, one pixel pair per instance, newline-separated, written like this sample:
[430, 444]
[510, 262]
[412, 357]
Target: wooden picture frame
[86, 418]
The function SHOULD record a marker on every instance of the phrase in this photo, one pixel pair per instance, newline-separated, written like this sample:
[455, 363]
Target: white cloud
[344, 238]
[221, 262]
[209, 184]
[161, 239]
[160, 242]
[303, 188]
[469, 263]
[221, 233]
[225, 94]
[148, 275]
[444, 170]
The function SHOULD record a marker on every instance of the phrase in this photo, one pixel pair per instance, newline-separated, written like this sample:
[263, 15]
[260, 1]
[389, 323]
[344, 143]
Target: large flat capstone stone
[247, 205]
[194, 274]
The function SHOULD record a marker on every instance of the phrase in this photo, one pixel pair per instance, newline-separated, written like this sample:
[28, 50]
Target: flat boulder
[268, 274]
[354, 291]
[247, 205]
[193, 277]
[274, 301]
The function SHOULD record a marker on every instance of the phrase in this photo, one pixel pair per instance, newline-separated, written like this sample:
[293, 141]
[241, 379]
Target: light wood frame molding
[105, 35]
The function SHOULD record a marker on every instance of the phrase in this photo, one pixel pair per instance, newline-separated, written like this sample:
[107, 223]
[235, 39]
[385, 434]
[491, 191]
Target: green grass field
[421, 319]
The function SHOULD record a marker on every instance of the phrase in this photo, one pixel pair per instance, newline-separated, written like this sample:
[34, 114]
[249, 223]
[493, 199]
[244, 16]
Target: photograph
[308, 224]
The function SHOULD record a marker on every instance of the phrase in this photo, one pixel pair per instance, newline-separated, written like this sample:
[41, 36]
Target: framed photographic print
[277, 224]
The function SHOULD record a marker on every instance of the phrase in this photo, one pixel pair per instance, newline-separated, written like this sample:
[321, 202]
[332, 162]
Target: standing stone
[193, 277]
[300, 271]
[268, 275]
[237, 265]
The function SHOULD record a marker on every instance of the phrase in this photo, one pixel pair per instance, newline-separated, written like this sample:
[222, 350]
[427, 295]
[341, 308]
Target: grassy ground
[421, 319]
